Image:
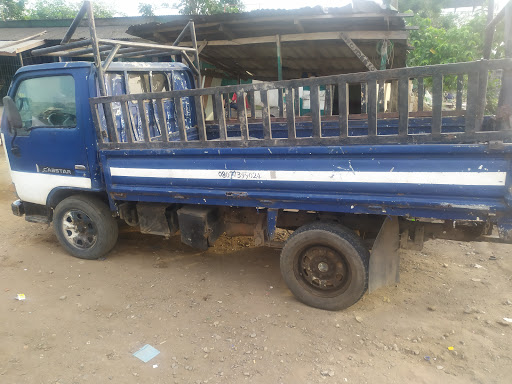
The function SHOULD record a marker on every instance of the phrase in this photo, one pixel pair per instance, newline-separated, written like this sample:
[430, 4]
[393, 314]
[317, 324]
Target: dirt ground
[225, 315]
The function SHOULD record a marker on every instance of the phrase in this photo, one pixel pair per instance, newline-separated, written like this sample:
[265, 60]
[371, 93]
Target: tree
[452, 38]
[209, 7]
[12, 9]
[146, 9]
[62, 9]
[423, 8]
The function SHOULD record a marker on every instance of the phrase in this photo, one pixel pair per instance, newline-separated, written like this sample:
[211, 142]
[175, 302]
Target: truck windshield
[47, 102]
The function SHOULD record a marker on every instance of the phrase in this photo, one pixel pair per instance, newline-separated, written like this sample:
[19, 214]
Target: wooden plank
[421, 93]
[363, 98]
[128, 126]
[134, 44]
[280, 103]
[16, 42]
[181, 35]
[315, 110]
[354, 48]
[162, 119]
[97, 122]
[76, 22]
[458, 97]
[214, 105]
[356, 35]
[279, 61]
[472, 123]
[290, 113]
[475, 138]
[343, 108]
[242, 115]
[144, 120]
[437, 104]
[201, 128]
[110, 57]
[352, 78]
[403, 106]
[221, 118]
[328, 100]
[265, 115]
[253, 104]
[297, 100]
[372, 107]
[381, 98]
[180, 118]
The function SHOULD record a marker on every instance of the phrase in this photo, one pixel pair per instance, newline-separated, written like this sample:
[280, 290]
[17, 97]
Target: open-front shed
[288, 44]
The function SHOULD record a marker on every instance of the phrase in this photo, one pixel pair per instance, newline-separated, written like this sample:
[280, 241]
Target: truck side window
[138, 82]
[159, 81]
[47, 102]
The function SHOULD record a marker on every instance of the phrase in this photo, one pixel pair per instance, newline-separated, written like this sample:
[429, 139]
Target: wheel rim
[78, 229]
[323, 270]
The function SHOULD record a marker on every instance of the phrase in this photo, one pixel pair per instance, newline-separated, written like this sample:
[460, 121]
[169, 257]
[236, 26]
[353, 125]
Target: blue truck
[93, 143]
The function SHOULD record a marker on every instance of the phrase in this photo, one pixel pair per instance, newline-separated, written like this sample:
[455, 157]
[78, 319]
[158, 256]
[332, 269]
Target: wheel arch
[56, 195]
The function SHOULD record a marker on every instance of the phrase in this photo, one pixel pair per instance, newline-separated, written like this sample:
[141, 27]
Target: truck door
[48, 152]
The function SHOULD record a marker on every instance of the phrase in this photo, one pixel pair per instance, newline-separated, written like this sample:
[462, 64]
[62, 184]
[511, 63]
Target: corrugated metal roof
[13, 49]
[57, 33]
[310, 43]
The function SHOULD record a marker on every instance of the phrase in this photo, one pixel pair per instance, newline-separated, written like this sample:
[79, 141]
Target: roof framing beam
[354, 35]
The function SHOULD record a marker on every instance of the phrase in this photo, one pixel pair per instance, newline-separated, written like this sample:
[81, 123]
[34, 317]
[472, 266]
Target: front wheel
[325, 266]
[85, 227]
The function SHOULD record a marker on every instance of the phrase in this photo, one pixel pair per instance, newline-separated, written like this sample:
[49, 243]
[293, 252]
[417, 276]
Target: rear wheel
[85, 227]
[325, 266]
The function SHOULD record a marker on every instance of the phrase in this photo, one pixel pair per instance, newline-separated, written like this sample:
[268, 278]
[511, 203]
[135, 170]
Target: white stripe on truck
[427, 178]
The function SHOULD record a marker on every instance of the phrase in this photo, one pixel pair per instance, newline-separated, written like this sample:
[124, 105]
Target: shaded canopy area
[246, 44]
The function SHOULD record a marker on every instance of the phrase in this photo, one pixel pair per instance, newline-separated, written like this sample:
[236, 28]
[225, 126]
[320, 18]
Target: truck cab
[53, 154]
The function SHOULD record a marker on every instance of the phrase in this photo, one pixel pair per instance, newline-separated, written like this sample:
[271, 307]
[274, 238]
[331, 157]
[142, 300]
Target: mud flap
[384, 258]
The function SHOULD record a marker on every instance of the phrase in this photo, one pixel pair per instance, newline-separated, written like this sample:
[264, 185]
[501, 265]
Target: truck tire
[85, 227]
[325, 266]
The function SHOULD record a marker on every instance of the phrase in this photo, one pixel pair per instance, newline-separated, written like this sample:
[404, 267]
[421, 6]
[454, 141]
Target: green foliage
[450, 43]
[62, 9]
[48, 9]
[422, 8]
[209, 7]
[12, 9]
[146, 9]
[452, 38]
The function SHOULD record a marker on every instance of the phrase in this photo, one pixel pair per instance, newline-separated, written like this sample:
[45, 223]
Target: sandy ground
[225, 315]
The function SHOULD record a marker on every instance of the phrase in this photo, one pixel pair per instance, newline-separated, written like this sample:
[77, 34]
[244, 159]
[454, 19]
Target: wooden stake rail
[215, 133]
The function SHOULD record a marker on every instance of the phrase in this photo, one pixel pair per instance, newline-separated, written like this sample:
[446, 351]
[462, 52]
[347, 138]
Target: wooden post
[458, 98]
[96, 50]
[505, 100]
[196, 53]
[279, 62]
[421, 93]
[483, 78]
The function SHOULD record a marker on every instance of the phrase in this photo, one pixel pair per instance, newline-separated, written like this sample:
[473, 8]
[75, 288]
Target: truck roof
[116, 66]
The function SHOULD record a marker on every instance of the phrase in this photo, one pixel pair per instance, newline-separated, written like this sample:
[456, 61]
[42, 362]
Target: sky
[130, 7]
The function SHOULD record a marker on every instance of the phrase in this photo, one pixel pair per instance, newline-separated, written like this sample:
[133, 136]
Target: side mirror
[13, 115]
